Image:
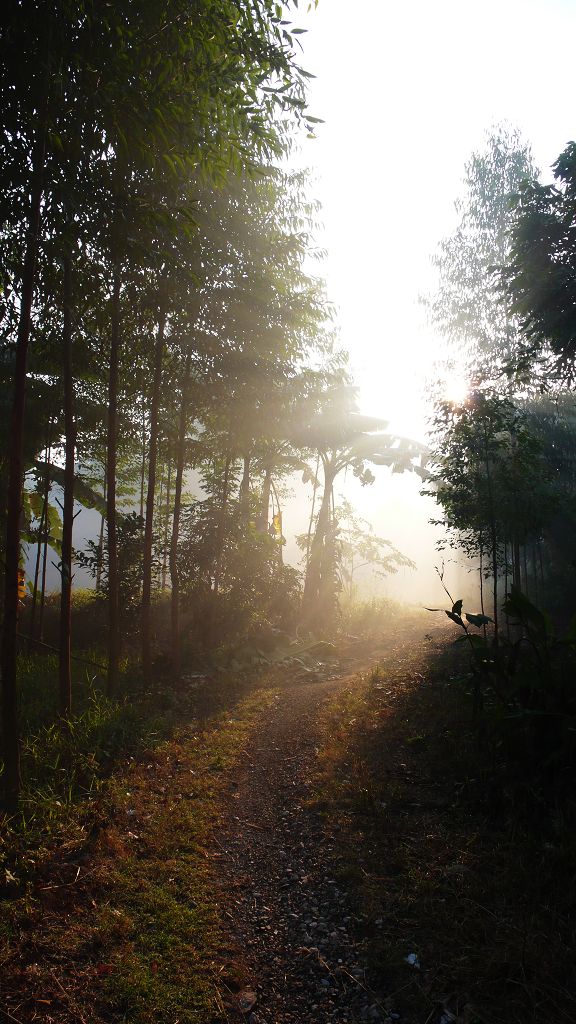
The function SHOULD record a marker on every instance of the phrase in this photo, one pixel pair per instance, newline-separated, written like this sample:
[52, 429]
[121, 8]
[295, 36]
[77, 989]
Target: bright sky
[408, 91]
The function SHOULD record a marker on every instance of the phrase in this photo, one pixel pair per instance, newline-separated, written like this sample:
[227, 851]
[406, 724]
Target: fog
[406, 93]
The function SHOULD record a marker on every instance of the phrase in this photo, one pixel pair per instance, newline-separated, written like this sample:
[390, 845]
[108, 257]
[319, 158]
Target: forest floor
[317, 850]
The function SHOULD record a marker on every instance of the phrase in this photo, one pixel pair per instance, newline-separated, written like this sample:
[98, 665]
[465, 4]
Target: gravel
[291, 919]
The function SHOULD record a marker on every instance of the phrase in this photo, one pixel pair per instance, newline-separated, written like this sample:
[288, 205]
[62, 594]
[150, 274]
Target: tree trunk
[101, 543]
[312, 510]
[317, 569]
[166, 526]
[149, 519]
[279, 514]
[42, 531]
[221, 530]
[111, 460]
[65, 671]
[525, 567]
[143, 460]
[15, 482]
[43, 586]
[265, 501]
[174, 574]
[244, 493]
[516, 578]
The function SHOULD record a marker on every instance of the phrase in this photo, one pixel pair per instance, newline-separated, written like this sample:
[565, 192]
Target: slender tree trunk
[279, 514]
[149, 519]
[541, 566]
[516, 579]
[65, 671]
[493, 536]
[506, 588]
[481, 574]
[41, 528]
[221, 529]
[43, 587]
[111, 461]
[15, 481]
[265, 502]
[143, 460]
[525, 566]
[174, 573]
[244, 493]
[166, 526]
[495, 577]
[101, 543]
[313, 585]
[312, 510]
[42, 531]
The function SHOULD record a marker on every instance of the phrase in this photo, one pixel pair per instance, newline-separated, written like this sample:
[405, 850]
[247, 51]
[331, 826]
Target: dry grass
[119, 924]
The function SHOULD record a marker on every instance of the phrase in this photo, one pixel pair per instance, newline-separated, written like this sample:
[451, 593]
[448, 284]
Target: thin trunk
[174, 573]
[493, 538]
[149, 519]
[313, 584]
[42, 531]
[244, 493]
[111, 461]
[265, 503]
[166, 527]
[516, 562]
[506, 589]
[279, 514]
[143, 460]
[65, 670]
[15, 481]
[312, 510]
[41, 528]
[525, 567]
[100, 544]
[221, 528]
[481, 572]
[43, 588]
[495, 576]
[541, 565]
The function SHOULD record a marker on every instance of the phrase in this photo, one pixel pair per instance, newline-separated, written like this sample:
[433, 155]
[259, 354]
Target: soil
[301, 957]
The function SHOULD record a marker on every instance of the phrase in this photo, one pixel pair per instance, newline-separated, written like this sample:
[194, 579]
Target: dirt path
[288, 913]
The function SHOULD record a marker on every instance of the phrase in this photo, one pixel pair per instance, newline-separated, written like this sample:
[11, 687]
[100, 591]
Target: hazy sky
[407, 92]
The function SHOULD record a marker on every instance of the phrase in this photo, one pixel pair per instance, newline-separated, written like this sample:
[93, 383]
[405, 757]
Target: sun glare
[456, 388]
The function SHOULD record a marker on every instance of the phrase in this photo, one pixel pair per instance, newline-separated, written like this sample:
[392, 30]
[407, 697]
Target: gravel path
[291, 919]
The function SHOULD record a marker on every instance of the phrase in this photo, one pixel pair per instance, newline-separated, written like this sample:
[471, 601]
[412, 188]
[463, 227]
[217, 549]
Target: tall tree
[468, 307]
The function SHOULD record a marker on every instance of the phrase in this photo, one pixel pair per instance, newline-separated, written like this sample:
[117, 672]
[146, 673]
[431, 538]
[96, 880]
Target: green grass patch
[115, 918]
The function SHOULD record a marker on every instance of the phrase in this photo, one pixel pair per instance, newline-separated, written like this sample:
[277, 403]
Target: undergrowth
[442, 856]
[109, 910]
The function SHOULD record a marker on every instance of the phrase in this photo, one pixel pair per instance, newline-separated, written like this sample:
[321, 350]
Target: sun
[456, 388]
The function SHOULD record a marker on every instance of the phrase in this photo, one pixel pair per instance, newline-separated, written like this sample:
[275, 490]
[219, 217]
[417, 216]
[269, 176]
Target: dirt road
[288, 910]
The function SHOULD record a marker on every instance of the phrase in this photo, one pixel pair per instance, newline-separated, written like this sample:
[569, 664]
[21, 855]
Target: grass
[441, 861]
[109, 869]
